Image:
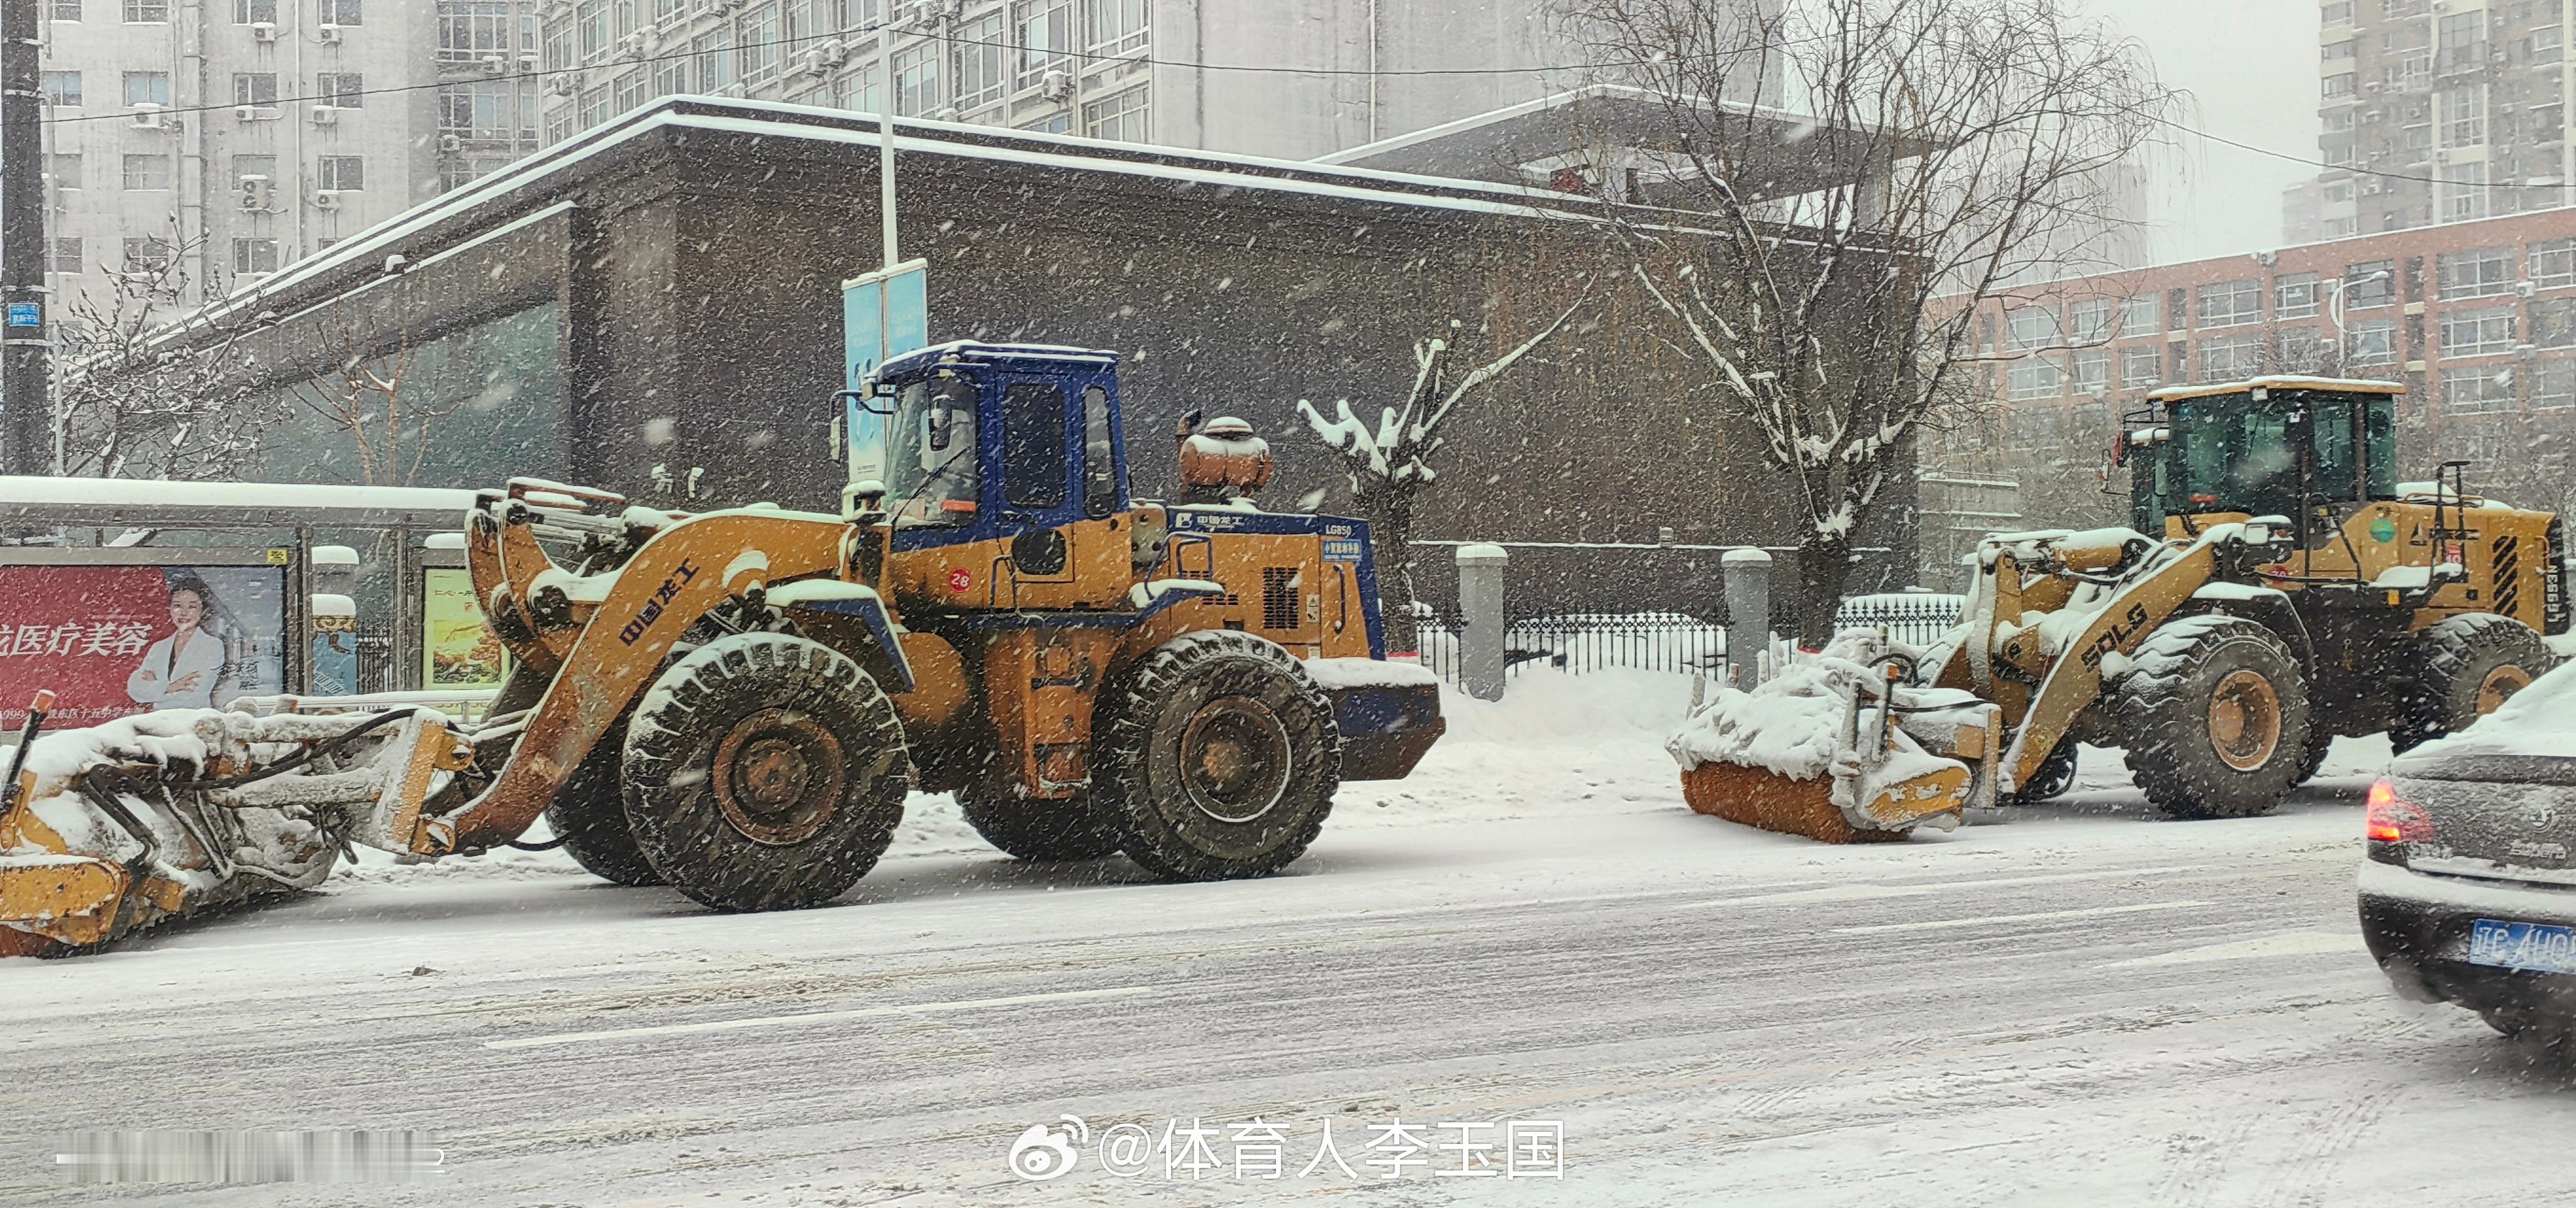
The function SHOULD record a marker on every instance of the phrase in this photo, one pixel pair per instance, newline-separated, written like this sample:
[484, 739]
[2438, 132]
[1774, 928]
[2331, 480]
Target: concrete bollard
[1747, 576]
[1480, 604]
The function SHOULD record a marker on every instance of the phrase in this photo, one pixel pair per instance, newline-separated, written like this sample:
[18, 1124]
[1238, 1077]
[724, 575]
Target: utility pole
[885, 138]
[26, 408]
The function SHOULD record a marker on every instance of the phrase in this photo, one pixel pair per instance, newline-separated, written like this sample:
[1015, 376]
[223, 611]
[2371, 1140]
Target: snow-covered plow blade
[112, 828]
[1838, 748]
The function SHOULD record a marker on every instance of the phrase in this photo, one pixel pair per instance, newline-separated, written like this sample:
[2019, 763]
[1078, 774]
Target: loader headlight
[2265, 530]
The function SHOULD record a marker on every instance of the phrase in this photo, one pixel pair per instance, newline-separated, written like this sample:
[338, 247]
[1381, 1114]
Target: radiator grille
[1278, 597]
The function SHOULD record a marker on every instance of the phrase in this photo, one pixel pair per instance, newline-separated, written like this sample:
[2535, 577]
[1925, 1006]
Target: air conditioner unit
[832, 53]
[2372, 88]
[632, 45]
[451, 142]
[263, 31]
[245, 113]
[329, 35]
[1056, 85]
[255, 192]
[496, 64]
[326, 199]
[562, 85]
[527, 62]
[148, 116]
[325, 115]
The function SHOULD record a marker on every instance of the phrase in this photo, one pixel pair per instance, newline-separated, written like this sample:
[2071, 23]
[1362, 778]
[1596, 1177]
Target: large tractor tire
[2056, 774]
[588, 815]
[764, 772]
[1215, 756]
[2319, 743]
[2465, 668]
[2218, 718]
[1035, 828]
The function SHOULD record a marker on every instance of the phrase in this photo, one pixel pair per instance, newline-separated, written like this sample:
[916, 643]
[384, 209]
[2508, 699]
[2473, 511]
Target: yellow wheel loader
[737, 703]
[2278, 586]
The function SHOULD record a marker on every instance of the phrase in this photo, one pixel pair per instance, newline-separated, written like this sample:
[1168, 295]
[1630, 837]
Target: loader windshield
[933, 474]
[2236, 456]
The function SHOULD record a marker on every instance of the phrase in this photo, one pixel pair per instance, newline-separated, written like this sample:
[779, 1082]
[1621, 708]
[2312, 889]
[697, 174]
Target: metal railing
[1914, 618]
[1649, 641]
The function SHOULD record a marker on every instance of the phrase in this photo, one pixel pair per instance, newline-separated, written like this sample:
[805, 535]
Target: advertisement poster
[457, 651]
[117, 640]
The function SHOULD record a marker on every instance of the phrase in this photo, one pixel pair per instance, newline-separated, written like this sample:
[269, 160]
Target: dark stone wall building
[654, 307]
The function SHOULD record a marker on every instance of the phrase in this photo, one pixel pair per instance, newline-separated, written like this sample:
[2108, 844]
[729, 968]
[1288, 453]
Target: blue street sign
[26, 314]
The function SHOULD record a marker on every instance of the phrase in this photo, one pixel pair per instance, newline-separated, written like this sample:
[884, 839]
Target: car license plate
[2534, 946]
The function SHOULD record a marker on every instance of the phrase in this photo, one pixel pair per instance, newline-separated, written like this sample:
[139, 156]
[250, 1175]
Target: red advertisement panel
[116, 640]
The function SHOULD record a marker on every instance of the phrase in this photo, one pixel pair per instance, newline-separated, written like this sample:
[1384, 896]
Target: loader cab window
[1099, 456]
[2334, 430]
[2379, 444]
[1033, 448]
[932, 473]
[2236, 456]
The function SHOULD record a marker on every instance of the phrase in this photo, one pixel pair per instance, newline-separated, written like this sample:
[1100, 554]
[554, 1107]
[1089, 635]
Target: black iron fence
[1915, 618]
[1646, 641]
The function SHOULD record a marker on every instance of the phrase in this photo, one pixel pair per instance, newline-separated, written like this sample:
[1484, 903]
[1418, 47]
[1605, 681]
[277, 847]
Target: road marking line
[1869, 891]
[2287, 943]
[812, 1017]
[2087, 913]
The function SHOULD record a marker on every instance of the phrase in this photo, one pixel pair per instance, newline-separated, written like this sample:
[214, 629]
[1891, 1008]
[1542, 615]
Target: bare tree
[1824, 271]
[1390, 463]
[362, 394]
[137, 399]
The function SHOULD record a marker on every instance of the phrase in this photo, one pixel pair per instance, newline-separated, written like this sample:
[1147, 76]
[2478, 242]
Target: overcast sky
[2251, 68]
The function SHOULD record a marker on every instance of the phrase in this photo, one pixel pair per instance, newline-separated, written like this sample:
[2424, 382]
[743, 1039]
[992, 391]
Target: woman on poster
[179, 671]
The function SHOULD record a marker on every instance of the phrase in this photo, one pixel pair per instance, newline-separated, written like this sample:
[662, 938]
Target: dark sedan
[2469, 892]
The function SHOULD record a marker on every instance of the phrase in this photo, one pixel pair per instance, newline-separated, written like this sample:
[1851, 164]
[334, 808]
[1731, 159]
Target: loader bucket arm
[682, 573]
[2137, 607]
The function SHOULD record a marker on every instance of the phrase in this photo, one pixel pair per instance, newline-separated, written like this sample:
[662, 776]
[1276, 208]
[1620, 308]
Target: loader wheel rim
[2499, 687]
[1235, 759]
[2245, 720]
[778, 776]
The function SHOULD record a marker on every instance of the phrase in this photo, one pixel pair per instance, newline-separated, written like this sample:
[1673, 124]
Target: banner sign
[117, 640]
[457, 649]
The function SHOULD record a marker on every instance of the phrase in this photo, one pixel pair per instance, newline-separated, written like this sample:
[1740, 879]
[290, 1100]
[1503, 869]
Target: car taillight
[2393, 819]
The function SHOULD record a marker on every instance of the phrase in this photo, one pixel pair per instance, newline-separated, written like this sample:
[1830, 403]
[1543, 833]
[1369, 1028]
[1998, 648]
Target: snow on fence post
[1480, 608]
[1747, 576]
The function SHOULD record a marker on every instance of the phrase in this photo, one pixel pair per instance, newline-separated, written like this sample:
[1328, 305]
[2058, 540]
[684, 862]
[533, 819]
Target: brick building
[2478, 319]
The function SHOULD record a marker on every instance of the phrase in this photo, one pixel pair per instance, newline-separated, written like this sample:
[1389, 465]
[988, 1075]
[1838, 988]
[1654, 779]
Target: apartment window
[2092, 369]
[2553, 384]
[2339, 52]
[1120, 117]
[2372, 283]
[2371, 342]
[67, 171]
[147, 12]
[1117, 26]
[671, 77]
[1986, 333]
[2478, 274]
[759, 43]
[342, 12]
[2141, 315]
[471, 29]
[254, 88]
[859, 88]
[63, 89]
[2471, 333]
[2301, 349]
[559, 125]
[2029, 327]
[2464, 116]
[2338, 13]
[982, 71]
[147, 88]
[798, 19]
[630, 90]
[254, 255]
[2089, 321]
[477, 111]
[341, 89]
[916, 80]
[2337, 228]
[625, 23]
[2294, 296]
[263, 166]
[714, 52]
[559, 49]
[2140, 368]
[2034, 377]
[2338, 85]
[2477, 391]
[2392, 9]
[590, 25]
[147, 255]
[594, 104]
[254, 12]
[1053, 123]
[147, 171]
[1045, 35]
[68, 255]
[2466, 197]
[2231, 303]
[666, 10]
[2553, 323]
[343, 172]
[62, 10]
[2228, 358]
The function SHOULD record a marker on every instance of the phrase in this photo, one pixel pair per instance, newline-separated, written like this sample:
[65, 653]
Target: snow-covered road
[2076, 1005]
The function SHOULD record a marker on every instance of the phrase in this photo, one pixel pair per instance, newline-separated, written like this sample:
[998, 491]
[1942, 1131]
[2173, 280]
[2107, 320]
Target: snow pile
[1338, 674]
[1790, 724]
